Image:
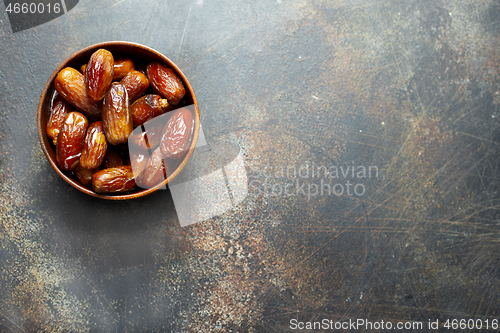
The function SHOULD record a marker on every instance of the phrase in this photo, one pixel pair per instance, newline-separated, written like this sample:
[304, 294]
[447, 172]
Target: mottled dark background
[412, 87]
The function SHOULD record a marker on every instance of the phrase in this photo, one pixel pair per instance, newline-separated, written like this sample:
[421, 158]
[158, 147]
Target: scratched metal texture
[412, 87]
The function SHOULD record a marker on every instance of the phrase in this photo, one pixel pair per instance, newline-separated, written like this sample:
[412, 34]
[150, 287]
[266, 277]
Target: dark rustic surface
[412, 87]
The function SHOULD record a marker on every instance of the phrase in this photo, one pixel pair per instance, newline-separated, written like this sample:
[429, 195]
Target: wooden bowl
[142, 55]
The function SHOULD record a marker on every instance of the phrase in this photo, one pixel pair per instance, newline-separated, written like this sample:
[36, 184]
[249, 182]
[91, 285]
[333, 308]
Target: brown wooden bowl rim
[76, 184]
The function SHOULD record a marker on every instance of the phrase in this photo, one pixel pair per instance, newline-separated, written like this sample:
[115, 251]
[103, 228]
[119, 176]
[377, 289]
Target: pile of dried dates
[93, 115]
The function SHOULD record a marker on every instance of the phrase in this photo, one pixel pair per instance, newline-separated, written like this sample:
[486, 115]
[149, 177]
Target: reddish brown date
[70, 140]
[122, 67]
[94, 148]
[99, 74]
[138, 161]
[111, 159]
[113, 180]
[156, 170]
[148, 107]
[165, 83]
[60, 108]
[136, 84]
[177, 134]
[116, 117]
[84, 175]
[70, 84]
[149, 139]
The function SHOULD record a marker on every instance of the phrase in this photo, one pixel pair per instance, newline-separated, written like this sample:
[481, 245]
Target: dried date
[165, 82]
[150, 138]
[60, 108]
[70, 84]
[84, 176]
[95, 146]
[116, 117]
[113, 180]
[70, 140]
[136, 84]
[122, 67]
[99, 74]
[177, 134]
[138, 161]
[148, 107]
[156, 170]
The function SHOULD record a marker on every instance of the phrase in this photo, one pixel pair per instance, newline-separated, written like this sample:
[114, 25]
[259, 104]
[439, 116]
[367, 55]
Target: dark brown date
[165, 83]
[60, 108]
[177, 134]
[99, 74]
[70, 84]
[70, 140]
[84, 175]
[136, 84]
[122, 67]
[113, 180]
[116, 117]
[156, 170]
[148, 107]
[94, 148]
[150, 138]
[111, 159]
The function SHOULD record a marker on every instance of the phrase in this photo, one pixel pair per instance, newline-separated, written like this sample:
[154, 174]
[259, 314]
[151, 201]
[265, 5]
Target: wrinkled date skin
[116, 117]
[99, 74]
[177, 134]
[84, 175]
[156, 170]
[94, 148]
[136, 84]
[165, 83]
[149, 139]
[70, 84]
[70, 140]
[122, 67]
[60, 108]
[113, 180]
[148, 107]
